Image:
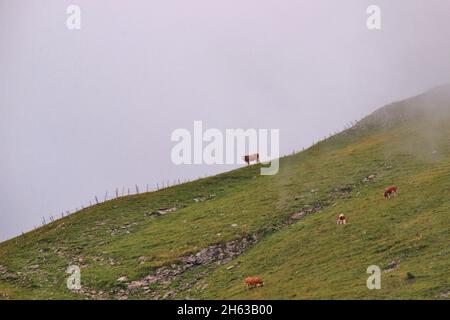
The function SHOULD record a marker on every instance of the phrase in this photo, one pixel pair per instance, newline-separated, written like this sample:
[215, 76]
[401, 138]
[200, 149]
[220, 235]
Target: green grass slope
[406, 144]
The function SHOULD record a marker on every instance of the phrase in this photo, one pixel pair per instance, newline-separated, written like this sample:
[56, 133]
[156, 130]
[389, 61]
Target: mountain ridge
[280, 227]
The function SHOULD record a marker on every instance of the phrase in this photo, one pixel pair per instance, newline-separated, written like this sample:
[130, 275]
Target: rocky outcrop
[219, 254]
[160, 212]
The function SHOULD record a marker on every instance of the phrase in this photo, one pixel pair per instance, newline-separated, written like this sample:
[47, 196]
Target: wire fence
[117, 193]
[122, 192]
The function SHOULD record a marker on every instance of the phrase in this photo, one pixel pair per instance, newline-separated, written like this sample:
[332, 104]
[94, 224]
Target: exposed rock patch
[160, 212]
[392, 266]
[122, 279]
[3, 269]
[369, 178]
[219, 254]
[126, 228]
[203, 198]
[445, 294]
[6, 275]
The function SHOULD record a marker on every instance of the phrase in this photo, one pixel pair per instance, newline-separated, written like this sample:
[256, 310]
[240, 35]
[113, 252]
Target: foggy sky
[82, 112]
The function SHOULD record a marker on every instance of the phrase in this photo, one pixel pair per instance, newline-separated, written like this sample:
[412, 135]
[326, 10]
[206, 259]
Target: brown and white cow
[251, 157]
[390, 191]
[254, 282]
[341, 219]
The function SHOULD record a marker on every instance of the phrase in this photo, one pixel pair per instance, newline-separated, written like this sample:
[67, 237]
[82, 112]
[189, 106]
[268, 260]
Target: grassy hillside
[281, 228]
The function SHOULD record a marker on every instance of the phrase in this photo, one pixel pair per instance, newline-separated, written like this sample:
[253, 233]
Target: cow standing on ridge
[251, 157]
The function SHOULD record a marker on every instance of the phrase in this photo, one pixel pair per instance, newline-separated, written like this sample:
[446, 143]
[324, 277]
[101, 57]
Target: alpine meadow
[202, 239]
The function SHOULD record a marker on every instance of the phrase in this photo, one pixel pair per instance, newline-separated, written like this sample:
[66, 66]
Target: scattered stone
[234, 225]
[445, 294]
[122, 279]
[298, 215]
[136, 284]
[369, 178]
[169, 294]
[391, 266]
[230, 267]
[203, 198]
[124, 228]
[151, 279]
[160, 212]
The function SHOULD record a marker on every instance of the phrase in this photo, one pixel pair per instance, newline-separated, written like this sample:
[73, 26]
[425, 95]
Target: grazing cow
[253, 282]
[390, 191]
[251, 157]
[341, 219]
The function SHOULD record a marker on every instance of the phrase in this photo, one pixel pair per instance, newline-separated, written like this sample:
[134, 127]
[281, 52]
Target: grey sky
[86, 111]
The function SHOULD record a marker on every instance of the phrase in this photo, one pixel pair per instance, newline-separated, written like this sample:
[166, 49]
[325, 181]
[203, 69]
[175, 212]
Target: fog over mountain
[90, 110]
